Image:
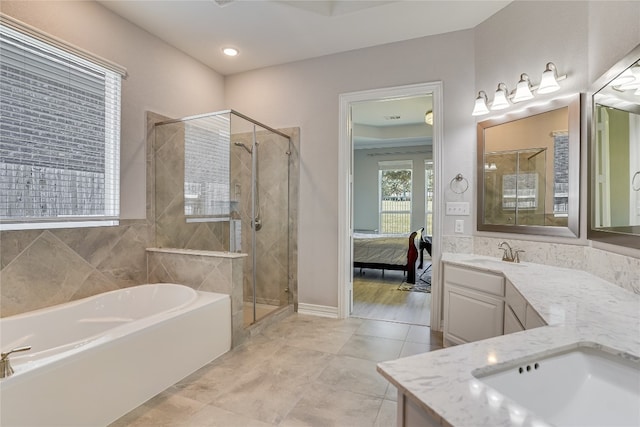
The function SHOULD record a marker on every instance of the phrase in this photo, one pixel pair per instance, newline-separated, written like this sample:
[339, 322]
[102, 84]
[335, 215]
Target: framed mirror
[529, 170]
[614, 155]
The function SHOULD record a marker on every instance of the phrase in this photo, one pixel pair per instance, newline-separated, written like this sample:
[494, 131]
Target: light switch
[459, 226]
[457, 208]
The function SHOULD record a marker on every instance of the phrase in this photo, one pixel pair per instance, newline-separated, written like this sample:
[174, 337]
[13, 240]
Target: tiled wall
[172, 230]
[276, 241]
[205, 271]
[273, 238]
[43, 268]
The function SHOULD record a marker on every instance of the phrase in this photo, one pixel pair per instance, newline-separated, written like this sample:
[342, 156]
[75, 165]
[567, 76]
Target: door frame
[345, 189]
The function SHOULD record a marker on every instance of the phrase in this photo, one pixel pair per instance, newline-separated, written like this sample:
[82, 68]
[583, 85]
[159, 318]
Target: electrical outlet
[457, 208]
[459, 226]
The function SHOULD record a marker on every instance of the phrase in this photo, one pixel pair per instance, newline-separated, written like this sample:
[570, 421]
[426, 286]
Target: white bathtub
[95, 359]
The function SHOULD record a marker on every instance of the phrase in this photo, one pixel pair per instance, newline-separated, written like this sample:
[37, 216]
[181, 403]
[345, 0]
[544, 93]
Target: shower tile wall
[213, 272]
[41, 268]
[172, 231]
[166, 207]
[278, 206]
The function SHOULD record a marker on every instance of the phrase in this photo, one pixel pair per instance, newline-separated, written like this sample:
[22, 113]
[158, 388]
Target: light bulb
[549, 82]
[480, 107]
[523, 89]
[500, 101]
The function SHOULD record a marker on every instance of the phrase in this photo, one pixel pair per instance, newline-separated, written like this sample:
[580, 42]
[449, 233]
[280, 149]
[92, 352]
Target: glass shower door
[260, 192]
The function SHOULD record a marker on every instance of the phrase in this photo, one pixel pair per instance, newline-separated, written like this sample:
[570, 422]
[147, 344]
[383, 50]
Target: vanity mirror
[528, 170]
[614, 172]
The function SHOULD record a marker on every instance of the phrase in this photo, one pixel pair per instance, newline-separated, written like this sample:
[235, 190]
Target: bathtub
[95, 359]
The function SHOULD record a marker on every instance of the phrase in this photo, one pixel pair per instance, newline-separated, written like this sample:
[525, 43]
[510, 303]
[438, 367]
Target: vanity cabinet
[518, 314]
[473, 305]
[479, 305]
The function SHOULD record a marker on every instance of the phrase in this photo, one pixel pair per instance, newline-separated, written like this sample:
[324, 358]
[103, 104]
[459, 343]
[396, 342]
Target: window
[428, 197]
[59, 135]
[206, 169]
[395, 196]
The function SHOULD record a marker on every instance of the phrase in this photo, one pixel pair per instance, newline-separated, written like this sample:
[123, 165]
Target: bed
[388, 252]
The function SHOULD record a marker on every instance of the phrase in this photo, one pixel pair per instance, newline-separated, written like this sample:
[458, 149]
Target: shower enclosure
[516, 187]
[223, 183]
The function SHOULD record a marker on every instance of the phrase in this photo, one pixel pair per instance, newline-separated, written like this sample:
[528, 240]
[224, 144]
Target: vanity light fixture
[230, 51]
[481, 108]
[500, 100]
[523, 89]
[549, 81]
[428, 117]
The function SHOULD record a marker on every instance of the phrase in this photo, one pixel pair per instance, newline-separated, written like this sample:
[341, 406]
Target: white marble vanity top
[578, 308]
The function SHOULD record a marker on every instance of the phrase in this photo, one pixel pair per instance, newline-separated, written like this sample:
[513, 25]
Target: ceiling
[396, 122]
[271, 32]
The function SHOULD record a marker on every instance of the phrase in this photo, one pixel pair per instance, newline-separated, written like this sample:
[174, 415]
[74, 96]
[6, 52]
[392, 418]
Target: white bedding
[380, 248]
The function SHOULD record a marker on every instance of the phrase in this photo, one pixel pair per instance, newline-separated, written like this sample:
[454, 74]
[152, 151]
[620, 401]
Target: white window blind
[206, 172]
[59, 136]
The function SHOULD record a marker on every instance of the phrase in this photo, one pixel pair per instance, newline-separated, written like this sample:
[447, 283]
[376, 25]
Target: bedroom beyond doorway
[389, 297]
[393, 188]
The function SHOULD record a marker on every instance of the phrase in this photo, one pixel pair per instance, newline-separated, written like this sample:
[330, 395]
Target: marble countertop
[578, 308]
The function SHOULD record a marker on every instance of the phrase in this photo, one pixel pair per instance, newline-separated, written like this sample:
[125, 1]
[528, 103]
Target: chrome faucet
[5, 365]
[509, 255]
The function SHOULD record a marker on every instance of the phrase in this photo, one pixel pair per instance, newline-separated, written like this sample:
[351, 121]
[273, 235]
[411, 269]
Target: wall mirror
[614, 173]
[528, 170]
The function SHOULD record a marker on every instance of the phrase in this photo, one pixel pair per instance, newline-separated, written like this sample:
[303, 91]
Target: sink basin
[585, 386]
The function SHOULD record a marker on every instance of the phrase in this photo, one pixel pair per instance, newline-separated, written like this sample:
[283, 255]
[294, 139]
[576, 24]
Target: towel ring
[635, 185]
[460, 180]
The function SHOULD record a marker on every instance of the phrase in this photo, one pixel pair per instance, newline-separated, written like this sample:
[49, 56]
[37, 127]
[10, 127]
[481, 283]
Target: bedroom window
[395, 196]
[428, 197]
[59, 133]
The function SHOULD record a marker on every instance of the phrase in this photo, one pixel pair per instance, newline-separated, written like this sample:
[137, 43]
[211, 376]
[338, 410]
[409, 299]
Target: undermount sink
[585, 386]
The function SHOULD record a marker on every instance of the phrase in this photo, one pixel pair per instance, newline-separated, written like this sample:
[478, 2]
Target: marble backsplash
[623, 271]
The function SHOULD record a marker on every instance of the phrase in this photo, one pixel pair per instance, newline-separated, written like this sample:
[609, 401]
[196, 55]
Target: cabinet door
[471, 316]
[533, 319]
[511, 322]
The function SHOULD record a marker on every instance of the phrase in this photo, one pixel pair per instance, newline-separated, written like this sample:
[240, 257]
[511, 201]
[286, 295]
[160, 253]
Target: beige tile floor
[302, 371]
[262, 310]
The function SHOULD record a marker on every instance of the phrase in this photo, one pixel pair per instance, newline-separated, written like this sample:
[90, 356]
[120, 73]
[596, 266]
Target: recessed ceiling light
[230, 51]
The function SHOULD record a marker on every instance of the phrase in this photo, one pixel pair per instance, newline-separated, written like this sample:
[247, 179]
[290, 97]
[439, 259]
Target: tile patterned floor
[302, 371]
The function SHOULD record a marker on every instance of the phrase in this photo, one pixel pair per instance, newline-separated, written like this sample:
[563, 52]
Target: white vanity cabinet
[473, 304]
[518, 314]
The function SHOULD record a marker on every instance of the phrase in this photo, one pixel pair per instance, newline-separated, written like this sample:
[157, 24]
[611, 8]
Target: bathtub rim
[27, 362]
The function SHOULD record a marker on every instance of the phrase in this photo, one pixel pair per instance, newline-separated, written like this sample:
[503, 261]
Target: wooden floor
[377, 297]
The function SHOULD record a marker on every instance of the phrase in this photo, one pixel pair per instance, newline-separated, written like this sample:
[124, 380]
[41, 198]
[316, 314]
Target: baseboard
[318, 310]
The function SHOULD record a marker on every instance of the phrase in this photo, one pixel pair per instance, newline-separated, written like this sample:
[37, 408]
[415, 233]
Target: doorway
[366, 210]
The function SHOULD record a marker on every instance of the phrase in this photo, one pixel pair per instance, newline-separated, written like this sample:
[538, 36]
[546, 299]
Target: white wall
[582, 38]
[161, 78]
[306, 94]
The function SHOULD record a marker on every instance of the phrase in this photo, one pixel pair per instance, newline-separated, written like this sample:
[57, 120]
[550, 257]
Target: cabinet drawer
[474, 279]
[516, 301]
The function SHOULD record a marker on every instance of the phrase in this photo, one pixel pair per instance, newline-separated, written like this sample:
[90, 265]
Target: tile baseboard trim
[318, 310]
